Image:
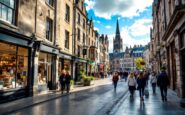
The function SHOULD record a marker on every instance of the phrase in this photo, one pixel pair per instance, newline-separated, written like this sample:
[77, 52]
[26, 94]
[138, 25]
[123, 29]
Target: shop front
[80, 68]
[65, 63]
[13, 71]
[47, 73]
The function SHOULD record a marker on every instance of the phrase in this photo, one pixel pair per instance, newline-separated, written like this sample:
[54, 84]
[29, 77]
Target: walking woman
[153, 81]
[62, 81]
[115, 79]
[131, 84]
[68, 79]
[141, 82]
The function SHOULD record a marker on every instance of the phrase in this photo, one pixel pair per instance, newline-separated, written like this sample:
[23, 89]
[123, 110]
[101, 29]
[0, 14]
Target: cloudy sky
[134, 18]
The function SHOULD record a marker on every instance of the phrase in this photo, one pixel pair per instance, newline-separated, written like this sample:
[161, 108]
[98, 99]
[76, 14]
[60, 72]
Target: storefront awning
[80, 60]
[61, 55]
[49, 49]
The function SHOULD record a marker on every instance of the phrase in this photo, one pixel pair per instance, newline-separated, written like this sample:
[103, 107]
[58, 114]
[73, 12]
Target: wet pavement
[103, 100]
[95, 101]
[152, 105]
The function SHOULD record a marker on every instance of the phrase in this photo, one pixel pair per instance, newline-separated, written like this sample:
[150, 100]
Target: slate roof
[116, 55]
[137, 51]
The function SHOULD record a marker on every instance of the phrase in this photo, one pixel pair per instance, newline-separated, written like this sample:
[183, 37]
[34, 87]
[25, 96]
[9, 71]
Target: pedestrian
[153, 82]
[131, 84]
[163, 82]
[141, 82]
[62, 81]
[67, 82]
[115, 79]
[146, 76]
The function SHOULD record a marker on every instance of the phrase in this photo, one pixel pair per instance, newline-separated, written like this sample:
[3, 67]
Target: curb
[33, 104]
[39, 102]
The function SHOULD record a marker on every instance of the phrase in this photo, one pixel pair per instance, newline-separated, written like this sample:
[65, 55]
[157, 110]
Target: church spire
[117, 30]
[118, 43]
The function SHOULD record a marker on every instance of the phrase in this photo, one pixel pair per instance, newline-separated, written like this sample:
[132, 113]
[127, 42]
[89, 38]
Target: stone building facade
[168, 41]
[38, 39]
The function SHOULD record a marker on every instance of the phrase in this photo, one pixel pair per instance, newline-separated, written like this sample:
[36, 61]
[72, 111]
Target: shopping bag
[146, 92]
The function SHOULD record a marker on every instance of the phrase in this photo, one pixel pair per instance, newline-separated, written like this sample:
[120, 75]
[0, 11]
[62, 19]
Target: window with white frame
[7, 10]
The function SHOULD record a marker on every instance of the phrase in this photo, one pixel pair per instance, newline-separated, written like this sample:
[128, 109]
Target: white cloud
[141, 27]
[90, 4]
[95, 28]
[130, 41]
[108, 27]
[110, 37]
[124, 8]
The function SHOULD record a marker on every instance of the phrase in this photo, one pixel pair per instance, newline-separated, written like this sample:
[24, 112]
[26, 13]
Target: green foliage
[88, 78]
[140, 64]
[81, 73]
[71, 82]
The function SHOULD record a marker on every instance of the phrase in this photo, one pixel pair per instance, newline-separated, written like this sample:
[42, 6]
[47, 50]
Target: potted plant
[87, 80]
[72, 84]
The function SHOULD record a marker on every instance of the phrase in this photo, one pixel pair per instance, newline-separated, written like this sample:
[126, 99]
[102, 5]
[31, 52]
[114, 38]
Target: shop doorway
[45, 71]
[183, 69]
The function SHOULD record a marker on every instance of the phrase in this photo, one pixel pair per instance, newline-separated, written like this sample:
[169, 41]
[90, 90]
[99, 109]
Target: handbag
[146, 92]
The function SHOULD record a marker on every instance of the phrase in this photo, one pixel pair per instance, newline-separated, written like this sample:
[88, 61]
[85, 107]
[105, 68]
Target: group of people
[141, 80]
[64, 80]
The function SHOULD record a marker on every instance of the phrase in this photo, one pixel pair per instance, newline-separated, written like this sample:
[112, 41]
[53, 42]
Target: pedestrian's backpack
[115, 78]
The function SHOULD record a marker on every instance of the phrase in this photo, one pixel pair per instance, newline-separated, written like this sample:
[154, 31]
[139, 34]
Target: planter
[87, 83]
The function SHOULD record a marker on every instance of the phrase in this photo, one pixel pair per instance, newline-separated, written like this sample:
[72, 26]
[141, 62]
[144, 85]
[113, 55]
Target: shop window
[67, 16]
[49, 29]
[7, 10]
[66, 39]
[45, 68]
[13, 67]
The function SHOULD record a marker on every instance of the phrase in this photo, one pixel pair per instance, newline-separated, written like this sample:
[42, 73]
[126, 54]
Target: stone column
[57, 74]
[35, 74]
[73, 69]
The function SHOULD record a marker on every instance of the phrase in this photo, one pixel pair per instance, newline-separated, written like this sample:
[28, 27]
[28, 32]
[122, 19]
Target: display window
[13, 66]
[45, 68]
[66, 65]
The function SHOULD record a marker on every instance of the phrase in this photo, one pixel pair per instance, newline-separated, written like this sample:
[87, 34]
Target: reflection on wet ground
[90, 102]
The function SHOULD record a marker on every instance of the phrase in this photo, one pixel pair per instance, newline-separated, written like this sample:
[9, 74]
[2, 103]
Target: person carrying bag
[131, 84]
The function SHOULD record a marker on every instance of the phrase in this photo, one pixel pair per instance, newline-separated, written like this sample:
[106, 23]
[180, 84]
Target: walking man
[163, 82]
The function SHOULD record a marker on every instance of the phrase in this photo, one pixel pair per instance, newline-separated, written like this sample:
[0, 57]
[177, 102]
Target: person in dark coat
[163, 82]
[62, 81]
[141, 82]
[68, 79]
[115, 79]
